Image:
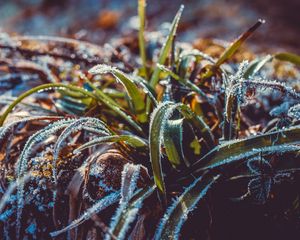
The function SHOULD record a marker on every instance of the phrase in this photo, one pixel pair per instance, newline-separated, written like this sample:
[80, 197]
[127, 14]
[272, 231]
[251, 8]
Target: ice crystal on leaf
[294, 112]
[96, 208]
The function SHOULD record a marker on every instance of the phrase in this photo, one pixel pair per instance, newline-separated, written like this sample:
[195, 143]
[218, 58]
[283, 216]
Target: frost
[96, 208]
[129, 179]
[294, 112]
[21, 165]
[280, 110]
[31, 229]
[180, 203]
[260, 186]
[130, 175]
[90, 124]
[5, 215]
[9, 126]
[271, 149]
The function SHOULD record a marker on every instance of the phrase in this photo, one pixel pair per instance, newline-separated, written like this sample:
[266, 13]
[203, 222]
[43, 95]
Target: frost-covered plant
[183, 118]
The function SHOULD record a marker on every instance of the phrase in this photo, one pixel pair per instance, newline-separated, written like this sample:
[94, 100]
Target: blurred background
[101, 21]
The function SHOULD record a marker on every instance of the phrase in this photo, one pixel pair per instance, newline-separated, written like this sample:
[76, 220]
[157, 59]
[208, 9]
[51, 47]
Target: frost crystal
[96, 208]
[294, 112]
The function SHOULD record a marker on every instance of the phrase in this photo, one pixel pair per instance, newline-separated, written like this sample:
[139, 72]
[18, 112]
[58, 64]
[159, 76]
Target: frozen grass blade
[158, 126]
[158, 122]
[129, 84]
[108, 102]
[9, 126]
[175, 216]
[127, 215]
[236, 150]
[44, 87]
[172, 139]
[90, 124]
[21, 164]
[96, 208]
[130, 175]
[256, 65]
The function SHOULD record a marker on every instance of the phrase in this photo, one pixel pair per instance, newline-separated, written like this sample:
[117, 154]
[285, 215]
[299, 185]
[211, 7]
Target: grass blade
[256, 65]
[129, 84]
[130, 139]
[157, 125]
[121, 221]
[49, 86]
[141, 13]
[164, 53]
[172, 139]
[166, 47]
[289, 57]
[175, 216]
[232, 151]
[229, 51]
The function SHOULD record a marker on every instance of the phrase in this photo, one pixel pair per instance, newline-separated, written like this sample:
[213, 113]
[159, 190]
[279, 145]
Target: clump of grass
[183, 127]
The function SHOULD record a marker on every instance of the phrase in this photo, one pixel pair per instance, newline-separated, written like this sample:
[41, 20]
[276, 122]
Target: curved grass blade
[130, 139]
[175, 216]
[121, 222]
[158, 122]
[129, 84]
[130, 175]
[21, 164]
[108, 102]
[199, 125]
[158, 126]
[8, 127]
[172, 139]
[49, 86]
[289, 57]
[90, 124]
[232, 151]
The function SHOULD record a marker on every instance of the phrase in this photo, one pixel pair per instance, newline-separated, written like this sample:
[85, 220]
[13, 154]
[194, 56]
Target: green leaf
[129, 84]
[44, 87]
[164, 53]
[237, 150]
[184, 82]
[108, 102]
[166, 47]
[141, 13]
[199, 125]
[157, 125]
[172, 139]
[134, 141]
[230, 50]
[175, 216]
[289, 57]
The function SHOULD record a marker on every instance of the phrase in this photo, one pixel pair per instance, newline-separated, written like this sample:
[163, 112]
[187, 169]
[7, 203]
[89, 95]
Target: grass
[137, 150]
